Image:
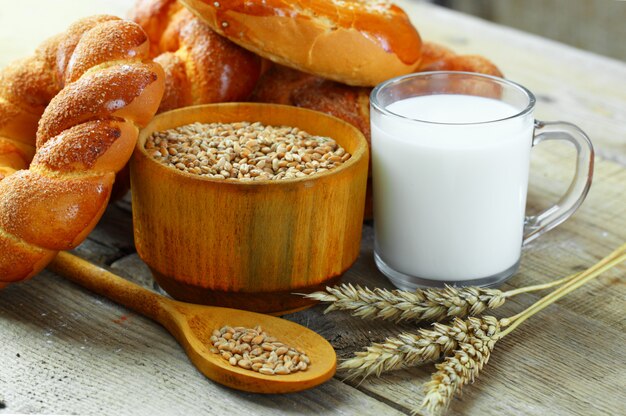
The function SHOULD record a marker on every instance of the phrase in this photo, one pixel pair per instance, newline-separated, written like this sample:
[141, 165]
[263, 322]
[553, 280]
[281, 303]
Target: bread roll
[354, 42]
[436, 57]
[200, 66]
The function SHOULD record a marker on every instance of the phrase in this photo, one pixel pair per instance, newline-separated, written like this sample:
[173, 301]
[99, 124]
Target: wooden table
[67, 351]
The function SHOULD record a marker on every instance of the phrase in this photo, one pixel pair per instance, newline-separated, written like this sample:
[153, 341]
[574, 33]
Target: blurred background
[595, 25]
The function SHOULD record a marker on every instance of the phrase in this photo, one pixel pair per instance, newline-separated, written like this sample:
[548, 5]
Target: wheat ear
[406, 350]
[420, 305]
[463, 366]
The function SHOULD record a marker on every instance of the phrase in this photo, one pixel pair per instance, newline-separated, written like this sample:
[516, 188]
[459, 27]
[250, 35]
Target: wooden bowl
[249, 245]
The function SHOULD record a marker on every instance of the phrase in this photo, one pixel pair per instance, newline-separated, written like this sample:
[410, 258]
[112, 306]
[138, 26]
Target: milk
[449, 199]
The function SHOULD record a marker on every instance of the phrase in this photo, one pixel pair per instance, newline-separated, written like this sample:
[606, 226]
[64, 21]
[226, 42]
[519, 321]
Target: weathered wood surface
[67, 351]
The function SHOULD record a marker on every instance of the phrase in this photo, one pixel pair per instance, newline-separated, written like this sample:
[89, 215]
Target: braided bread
[201, 67]
[89, 88]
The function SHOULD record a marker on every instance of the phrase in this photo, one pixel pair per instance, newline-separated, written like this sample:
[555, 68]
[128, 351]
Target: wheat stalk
[400, 305]
[608, 262]
[468, 360]
[420, 305]
[412, 349]
[465, 344]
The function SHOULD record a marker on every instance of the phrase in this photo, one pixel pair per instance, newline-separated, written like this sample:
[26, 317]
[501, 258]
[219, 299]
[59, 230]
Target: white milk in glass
[449, 199]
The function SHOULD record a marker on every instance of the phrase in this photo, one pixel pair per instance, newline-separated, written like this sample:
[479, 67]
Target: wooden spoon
[192, 325]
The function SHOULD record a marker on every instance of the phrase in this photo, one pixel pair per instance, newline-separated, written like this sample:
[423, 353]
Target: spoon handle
[109, 285]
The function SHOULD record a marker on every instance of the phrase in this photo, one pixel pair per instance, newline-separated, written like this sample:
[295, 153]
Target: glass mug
[450, 162]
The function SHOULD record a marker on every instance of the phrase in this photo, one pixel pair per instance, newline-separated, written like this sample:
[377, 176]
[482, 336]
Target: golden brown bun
[90, 88]
[25, 259]
[154, 16]
[282, 85]
[436, 57]
[200, 66]
[50, 213]
[354, 42]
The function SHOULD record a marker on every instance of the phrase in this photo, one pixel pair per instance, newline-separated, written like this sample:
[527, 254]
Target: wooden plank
[66, 351]
[569, 360]
[557, 364]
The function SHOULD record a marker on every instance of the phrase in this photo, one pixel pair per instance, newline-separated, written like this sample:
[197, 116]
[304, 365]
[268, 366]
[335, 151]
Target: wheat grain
[420, 305]
[253, 349]
[245, 151]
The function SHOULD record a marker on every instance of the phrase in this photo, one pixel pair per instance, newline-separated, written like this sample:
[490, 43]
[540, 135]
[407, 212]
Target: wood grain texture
[566, 360]
[66, 351]
[287, 236]
[81, 354]
[193, 326]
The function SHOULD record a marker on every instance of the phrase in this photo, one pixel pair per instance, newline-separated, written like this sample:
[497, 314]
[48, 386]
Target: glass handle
[536, 225]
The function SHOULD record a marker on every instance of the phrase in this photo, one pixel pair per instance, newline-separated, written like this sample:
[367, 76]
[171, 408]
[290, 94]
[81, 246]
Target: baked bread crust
[355, 42]
[201, 66]
[282, 85]
[90, 89]
[436, 57]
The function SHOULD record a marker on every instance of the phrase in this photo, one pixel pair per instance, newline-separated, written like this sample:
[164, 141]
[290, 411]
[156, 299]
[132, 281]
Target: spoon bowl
[192, 326]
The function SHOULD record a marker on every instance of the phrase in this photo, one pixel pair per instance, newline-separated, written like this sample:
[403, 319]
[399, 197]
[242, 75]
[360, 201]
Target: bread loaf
[282, 85]
[90, 89]
[355, 42]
